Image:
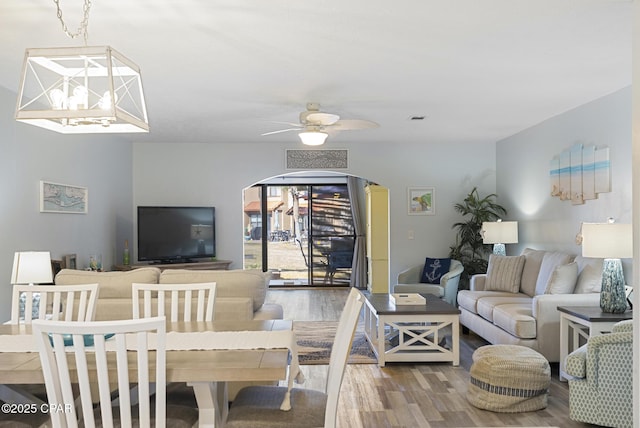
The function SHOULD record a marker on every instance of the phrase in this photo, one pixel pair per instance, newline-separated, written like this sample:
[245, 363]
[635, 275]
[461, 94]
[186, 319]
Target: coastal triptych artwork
[580, 173]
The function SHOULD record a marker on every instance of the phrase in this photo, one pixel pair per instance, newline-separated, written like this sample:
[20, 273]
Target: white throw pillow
[550, 261]
[590, 275]
[504, 273]
[563, 279]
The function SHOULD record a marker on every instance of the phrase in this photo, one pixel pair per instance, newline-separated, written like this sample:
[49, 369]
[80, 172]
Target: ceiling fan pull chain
[84, 24]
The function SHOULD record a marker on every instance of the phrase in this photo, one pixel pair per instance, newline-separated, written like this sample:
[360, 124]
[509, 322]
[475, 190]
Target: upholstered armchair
[600, 382]
[446, 288]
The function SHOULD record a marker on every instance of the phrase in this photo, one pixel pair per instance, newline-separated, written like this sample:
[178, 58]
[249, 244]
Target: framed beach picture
[63, 198]
[421, 201]
[70, 261]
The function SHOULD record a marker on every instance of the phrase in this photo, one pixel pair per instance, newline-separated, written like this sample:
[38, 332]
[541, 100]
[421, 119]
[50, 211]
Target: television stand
[205, 265]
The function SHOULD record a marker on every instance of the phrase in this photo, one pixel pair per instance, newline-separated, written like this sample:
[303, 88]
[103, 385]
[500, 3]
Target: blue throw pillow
[434, 269]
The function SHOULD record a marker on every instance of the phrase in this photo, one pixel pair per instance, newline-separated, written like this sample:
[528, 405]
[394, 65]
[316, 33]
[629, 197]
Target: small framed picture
[70, 261]
[421, 201]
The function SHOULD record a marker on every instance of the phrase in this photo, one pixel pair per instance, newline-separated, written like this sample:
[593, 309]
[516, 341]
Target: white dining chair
[260, 405]
[98, 358]
[180, 297]
[56, 302]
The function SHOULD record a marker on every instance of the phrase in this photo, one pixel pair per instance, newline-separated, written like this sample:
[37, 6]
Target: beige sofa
[516, 301]
[240, 294]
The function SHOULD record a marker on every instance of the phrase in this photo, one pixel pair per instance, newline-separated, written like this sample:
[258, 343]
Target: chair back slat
[340, 352]
[56, 302]
[183, 299]
[95, 363]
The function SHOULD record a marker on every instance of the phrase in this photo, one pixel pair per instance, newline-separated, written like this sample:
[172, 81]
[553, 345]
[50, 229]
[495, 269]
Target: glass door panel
[332, 232]
[304, 234]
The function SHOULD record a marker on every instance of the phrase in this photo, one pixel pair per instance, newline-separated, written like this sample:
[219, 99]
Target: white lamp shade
[32, 267]
[313, 138]
[607, 240]
[500, 232]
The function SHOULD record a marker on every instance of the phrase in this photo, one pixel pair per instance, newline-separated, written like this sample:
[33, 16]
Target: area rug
[315, 339]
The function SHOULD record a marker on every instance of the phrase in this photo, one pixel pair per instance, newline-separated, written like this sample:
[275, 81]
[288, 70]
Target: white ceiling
[224, 70]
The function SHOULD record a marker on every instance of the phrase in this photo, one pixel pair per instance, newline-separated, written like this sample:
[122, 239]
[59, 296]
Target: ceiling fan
[315, 126]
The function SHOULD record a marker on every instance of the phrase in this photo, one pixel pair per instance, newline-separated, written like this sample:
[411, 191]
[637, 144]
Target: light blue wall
[523, 183]
[28, 155]
[216, 174]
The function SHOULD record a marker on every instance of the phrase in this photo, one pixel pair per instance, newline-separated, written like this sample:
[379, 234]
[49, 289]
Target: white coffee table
[412, 333]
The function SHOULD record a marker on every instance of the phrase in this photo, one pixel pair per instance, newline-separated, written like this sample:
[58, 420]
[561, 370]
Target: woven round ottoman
[509, 379]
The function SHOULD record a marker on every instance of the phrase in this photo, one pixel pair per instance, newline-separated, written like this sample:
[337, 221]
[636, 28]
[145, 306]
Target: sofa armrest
[607, 352]
[575, 364]
[450, 281]
[410, 276]
[545, 310]
[233, 309]
[622, 326]
[477, 282]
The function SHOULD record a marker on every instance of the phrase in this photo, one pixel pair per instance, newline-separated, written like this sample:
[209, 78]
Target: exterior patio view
[304, 234]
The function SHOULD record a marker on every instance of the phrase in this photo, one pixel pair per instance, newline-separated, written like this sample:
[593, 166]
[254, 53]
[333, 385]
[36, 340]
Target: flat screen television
[176, 234]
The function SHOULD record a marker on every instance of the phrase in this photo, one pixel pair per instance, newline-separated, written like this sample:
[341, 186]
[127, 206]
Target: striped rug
[315, 339]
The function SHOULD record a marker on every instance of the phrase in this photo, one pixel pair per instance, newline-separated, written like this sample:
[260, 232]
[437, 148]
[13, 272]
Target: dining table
[199, 353]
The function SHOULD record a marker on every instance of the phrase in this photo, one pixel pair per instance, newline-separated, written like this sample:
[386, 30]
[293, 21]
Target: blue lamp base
[499, 249]
[612, 295]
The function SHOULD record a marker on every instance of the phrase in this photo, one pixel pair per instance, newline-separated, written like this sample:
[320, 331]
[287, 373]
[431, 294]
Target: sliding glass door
[304, 234]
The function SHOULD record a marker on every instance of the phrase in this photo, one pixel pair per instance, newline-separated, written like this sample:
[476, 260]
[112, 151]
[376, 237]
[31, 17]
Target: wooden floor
[411, 395]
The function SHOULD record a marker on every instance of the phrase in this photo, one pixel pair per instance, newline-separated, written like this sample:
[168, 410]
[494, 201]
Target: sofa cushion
[434, 269]
[563, 279]
[468, 299]
[486, 305]
[576, 362]
[533, 260]
[516, 319]
[550, 261]
[504, 273]
[229, 283]
[589, 275]
[112, 285]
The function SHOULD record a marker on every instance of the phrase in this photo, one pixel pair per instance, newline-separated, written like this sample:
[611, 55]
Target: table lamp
[499, 233]
[31, 267]
[612, 242]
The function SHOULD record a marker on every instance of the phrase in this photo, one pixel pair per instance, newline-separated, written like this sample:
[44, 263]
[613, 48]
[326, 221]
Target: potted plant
[469, 248]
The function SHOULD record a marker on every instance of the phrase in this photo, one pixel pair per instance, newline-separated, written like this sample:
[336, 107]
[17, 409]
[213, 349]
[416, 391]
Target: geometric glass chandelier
[76, 90]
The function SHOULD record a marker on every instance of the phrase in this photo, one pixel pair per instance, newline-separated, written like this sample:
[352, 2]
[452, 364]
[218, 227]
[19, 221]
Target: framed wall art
[421, 201]
[63, 198]
[70, 261]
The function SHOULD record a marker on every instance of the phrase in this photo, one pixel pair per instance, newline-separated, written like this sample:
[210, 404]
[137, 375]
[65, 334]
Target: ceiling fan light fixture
[313, 138]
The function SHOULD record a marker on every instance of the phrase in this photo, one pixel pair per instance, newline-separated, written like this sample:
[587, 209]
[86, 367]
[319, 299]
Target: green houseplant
[469, 249]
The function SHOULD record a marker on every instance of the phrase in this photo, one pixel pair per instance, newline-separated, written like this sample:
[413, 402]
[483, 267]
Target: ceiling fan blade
[319, 118]
[286, 123]
[281, 130]
[353, 124]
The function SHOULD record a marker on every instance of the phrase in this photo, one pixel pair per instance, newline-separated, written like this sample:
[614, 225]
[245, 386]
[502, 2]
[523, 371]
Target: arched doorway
[301, 226]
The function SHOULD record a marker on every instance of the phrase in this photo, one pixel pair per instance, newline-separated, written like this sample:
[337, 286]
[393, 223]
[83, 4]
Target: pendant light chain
[84, 24]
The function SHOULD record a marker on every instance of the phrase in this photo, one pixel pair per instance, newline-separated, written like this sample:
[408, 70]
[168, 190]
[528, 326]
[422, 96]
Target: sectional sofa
[516, 301]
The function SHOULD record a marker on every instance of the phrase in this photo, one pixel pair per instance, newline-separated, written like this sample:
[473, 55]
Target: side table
[579, 323]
